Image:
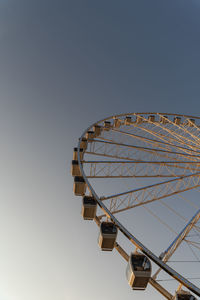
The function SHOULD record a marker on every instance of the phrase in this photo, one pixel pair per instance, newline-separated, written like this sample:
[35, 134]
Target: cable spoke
[178, 240]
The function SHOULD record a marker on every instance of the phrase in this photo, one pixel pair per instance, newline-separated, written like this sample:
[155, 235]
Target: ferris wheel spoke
[159, 134]
[173, 210]
[195, 132]
[185, 131]
[165, 256]
[193, 252]
[163, 137]
[194, 126]
[125, 169]
[160, 220]
[105, 154]
[147, 149]
[112, 153]
[173, 133]
[121, 152]
[194, 244]
[141, 196]
[161, 144]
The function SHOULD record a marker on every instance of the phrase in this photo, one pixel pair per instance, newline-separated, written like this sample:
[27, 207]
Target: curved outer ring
[131, 237]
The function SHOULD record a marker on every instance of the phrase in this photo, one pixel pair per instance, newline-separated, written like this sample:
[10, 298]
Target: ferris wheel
[139, 178]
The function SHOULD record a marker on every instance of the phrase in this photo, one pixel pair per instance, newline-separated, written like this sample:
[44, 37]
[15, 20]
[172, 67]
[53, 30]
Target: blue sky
[65, 65]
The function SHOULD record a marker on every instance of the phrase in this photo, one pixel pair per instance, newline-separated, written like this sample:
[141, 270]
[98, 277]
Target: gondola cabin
[139, 119]
[107, 125]
[151, 118]
[164, 119]
[138, 271]
[117, 123]
[128, 120]
[97, 130]
[79, 186]
[191, 122]
[184, 295]
[89, 208]
[177, 120]
[83, 143]
[90, 135]
[75, 154]
[75, 169]
[107, 236]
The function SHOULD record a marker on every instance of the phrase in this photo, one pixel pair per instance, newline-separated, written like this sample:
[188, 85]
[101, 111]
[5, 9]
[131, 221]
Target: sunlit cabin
[177, 120]
[83, 143]
[89, 208]
[117, 123]
[79, 186]
[184, 295]
[191, 122]
[128, 120]
[138, 271]
[107, 125]
[107, 236]
[90, 135]
[97, 130]
[75, 168]
[75, 154]
[151, 118]
[163, 119]
[139, 119]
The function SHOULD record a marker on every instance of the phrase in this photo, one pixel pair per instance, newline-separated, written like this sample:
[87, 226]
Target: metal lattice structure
[147, 162]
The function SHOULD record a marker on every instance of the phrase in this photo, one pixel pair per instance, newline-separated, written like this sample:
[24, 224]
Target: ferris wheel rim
[181, 279]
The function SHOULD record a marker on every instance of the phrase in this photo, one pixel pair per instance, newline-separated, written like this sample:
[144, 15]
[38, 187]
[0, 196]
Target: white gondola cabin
[79, 186]
[128, 120]
[138, 271]
[184, 295]
[107, 236]
[75, 154]
[89, 208]
[97, 130]
[107, 125]
[75, 169]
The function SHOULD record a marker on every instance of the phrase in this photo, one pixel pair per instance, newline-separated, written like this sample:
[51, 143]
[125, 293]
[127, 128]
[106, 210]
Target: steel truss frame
[175, 153]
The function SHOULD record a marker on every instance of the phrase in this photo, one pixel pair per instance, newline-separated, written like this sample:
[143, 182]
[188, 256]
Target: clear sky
[63, 66]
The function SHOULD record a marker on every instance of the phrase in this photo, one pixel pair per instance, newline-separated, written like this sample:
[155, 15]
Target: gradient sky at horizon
[65, 65]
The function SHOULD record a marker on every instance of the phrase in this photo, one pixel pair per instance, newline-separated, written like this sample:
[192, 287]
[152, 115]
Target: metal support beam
[160, 289]
[165, 256]
[105, 141]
